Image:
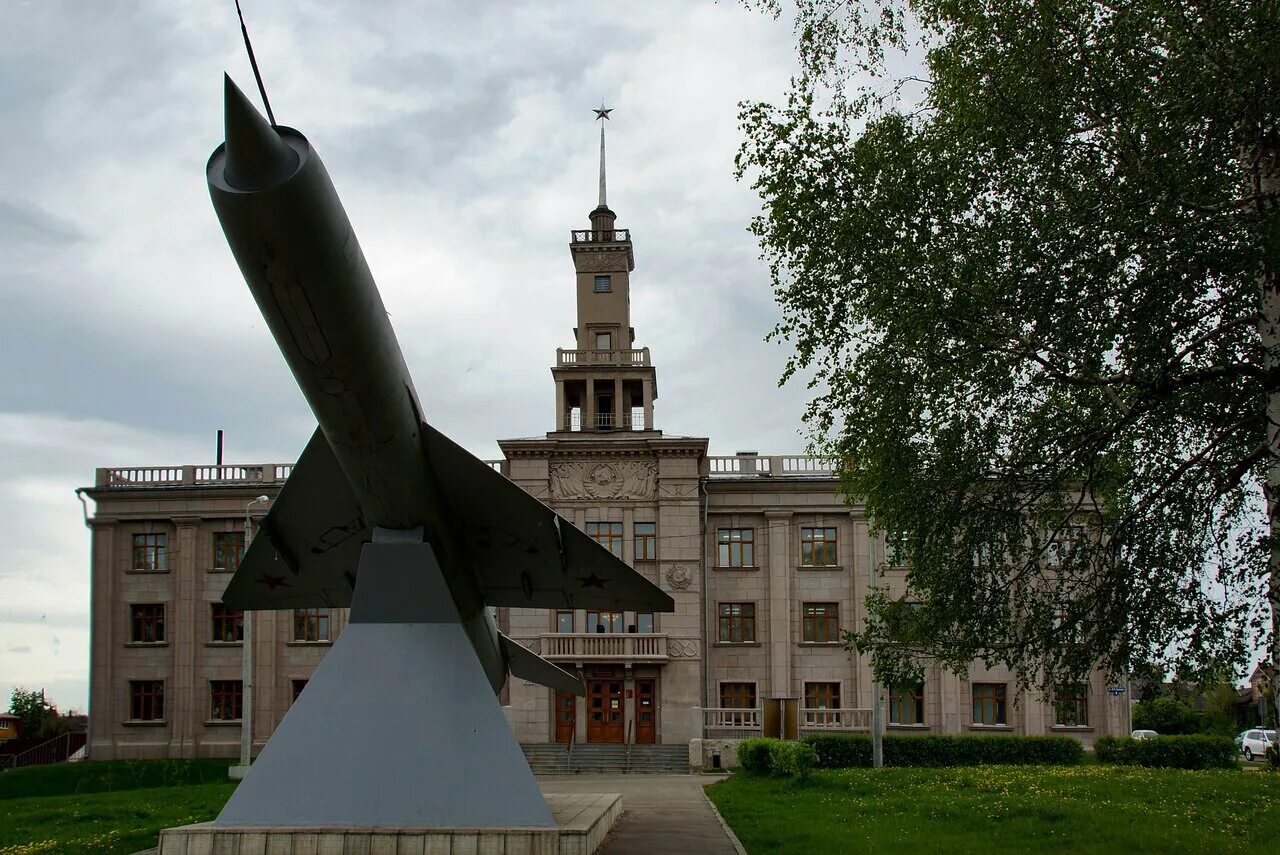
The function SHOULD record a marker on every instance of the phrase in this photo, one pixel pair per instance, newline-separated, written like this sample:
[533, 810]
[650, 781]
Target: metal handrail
[573, 735]
[626, 768]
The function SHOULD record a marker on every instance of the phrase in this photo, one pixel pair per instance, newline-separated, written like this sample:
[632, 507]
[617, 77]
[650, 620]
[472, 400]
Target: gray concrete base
[583, 820]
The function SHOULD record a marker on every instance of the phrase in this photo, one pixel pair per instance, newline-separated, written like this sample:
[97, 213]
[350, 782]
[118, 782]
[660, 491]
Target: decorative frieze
[612, 479]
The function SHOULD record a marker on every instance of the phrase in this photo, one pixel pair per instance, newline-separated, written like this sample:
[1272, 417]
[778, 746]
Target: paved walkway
[660, 813]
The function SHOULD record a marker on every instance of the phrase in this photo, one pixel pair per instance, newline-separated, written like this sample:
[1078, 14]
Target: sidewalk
[661, 813]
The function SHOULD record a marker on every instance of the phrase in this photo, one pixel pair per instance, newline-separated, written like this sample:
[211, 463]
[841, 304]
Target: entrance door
[566, 712]
[604, 711]
[646, 712]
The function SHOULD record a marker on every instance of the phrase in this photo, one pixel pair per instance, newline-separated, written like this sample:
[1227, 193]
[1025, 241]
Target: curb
[733, 838]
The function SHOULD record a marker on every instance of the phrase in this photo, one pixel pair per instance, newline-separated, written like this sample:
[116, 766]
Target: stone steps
[553, 758]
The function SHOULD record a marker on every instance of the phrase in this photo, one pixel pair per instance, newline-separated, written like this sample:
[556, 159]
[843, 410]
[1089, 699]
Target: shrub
[844, 751]
[754, 755]
[776, 756]
[791, 759]
[1165, 715]
[1168, 752]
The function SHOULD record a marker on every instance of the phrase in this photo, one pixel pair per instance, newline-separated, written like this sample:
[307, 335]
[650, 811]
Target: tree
[1036, 289]
[37, 717]
[1167, 716]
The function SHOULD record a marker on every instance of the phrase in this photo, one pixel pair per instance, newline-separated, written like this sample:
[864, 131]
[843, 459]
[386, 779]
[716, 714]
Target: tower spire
[601, 115]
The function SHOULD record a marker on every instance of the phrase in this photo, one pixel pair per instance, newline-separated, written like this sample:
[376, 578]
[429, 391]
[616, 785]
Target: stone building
[764, 560]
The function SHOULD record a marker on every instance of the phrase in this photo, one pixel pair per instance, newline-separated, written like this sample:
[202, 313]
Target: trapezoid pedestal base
[583, 821]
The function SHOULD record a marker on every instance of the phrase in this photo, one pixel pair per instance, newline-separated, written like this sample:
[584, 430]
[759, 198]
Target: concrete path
[660, 813]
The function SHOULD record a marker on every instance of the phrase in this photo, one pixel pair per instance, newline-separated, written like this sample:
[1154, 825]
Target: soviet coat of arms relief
[604, 479]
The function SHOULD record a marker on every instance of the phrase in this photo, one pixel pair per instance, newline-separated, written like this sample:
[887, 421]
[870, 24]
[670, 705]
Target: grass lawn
[1005, 808]
[116, 807]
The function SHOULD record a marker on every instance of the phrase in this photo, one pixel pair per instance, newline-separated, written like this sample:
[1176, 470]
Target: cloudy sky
[460, 137]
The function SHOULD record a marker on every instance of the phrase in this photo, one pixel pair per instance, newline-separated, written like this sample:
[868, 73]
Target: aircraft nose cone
[256, 157]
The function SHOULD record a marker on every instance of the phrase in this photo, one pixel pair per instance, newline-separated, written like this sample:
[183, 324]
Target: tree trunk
[1266, 171]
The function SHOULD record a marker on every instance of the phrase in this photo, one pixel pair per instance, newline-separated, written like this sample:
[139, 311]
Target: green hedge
[776, 757]
[1168, 752]
[842, 751]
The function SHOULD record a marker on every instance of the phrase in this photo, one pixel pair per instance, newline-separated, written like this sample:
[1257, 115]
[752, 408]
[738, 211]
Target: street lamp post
[246, 683]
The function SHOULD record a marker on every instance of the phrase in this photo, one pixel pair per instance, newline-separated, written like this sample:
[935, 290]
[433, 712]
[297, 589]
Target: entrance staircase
[552, 758]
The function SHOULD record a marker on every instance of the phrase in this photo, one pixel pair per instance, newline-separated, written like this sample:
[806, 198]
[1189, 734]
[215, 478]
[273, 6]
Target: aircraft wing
[305, 552]
[526, 554]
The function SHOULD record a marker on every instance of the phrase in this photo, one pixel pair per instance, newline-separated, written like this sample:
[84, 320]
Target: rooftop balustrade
[603, 358]
[602, 236]
[771, 465]
[267, 474]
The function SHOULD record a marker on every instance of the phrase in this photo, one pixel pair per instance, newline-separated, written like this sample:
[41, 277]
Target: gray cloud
[25, 648]
[460, 138]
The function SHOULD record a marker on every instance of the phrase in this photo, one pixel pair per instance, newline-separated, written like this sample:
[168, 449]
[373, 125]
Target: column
[647, 386]
[589, 408]
[559, 423]
[780, 563]
[184, 702]
[618, 403]
[105, 712]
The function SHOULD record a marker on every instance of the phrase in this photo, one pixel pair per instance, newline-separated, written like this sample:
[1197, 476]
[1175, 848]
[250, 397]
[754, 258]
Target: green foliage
[779, 757]
[839, 751]
[1076, 809]
[94, 776]
[38, 717]
[791, 759]
[754, 754]
[1027, 290]
[1168, 752]
[1166, 716]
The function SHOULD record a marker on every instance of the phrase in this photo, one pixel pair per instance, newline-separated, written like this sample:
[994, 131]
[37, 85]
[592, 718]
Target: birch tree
[1036, 287]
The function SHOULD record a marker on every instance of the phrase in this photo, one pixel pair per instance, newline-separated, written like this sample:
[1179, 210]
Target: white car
[1143, 734]
[1253, 743]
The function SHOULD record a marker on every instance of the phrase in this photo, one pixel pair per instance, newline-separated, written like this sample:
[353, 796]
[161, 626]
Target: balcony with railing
[731, 723]
[600, 236]
[573, 421]
[751, 465]
[623, 357]
[835, 721]
[603, 647]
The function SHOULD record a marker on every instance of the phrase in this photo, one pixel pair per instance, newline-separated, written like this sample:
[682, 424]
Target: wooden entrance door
[566, 714]
[646, 712]
[604, 711]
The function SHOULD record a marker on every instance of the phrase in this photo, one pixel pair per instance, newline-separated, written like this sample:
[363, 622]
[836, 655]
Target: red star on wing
[592, 581]
[273, 582]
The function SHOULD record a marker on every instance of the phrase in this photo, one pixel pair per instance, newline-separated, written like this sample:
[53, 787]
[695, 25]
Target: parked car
[1253, 743]
[1144, 734]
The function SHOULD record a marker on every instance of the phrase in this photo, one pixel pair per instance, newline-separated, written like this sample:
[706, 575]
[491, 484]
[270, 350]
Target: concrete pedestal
[582, 822]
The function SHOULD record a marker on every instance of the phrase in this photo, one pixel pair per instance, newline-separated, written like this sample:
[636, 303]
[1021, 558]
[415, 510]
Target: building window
[818, 547]
[601, 622]
[1062, 543]
[604, 284]
[604, 341]
[146, 700]
[821, 622]
[989, 703]
[564, 621]
[644, 623]
[150, 552]
[607, 534]
[1071, 705]
[738, 696]
[821, 696]
[736, 547]
[298, 686]
[146, 625]
[737, 622]
[228, 549]
[228, 624]
[895, 549]
[227, 696]
[310, 624]
[646, 541]
[906, 704]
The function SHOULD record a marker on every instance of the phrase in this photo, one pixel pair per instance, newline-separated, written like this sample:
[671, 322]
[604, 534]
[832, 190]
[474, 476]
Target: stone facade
[765, 562]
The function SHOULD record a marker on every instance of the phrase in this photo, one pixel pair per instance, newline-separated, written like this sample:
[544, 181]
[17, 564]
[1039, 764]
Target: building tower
[605, 382]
